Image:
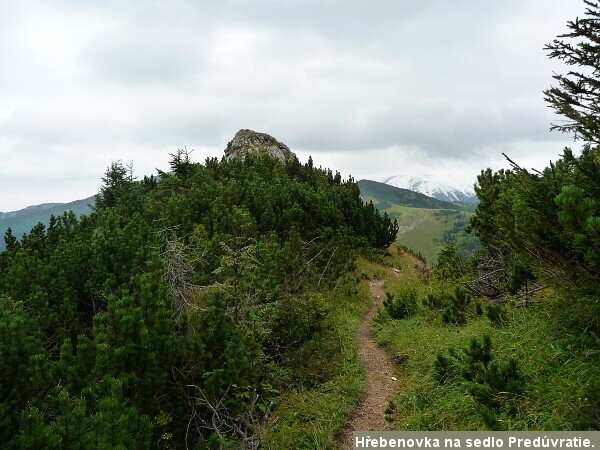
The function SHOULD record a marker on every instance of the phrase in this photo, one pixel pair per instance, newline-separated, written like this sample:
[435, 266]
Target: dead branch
[179, 272]
[492, 272]
[221, 421]
[327, 266]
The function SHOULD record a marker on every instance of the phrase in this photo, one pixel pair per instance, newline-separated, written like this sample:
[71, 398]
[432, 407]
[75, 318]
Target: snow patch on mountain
[447, 188]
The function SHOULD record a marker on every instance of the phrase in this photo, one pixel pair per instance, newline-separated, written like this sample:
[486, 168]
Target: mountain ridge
[425, 224]
[23, 220]
[30, 208]
[449, 189]
[400, 196]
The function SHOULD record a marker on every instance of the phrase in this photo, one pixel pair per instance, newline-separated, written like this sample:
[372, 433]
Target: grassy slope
[557, 356]
[423, 229]
[425, 222]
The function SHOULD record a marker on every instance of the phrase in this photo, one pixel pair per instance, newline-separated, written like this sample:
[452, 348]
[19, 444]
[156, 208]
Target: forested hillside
[170, 316]
[22, 221]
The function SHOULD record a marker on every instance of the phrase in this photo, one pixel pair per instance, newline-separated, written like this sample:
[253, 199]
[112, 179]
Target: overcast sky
[371, 88]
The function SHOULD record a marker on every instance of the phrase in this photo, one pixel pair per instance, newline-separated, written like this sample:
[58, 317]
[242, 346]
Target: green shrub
[402, 305]
[301, 318]
[496, 314]
[492, 384]
[478, 309]
[454, 314]
[446, 368]
[436, 301]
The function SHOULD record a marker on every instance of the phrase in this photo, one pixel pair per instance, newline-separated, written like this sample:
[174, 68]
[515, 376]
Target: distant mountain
[448, 188]
[25, 219]
[383, 194]
[426, 224]
[27, 210]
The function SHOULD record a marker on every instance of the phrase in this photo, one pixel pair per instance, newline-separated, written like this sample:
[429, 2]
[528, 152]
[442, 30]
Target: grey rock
[248, 141]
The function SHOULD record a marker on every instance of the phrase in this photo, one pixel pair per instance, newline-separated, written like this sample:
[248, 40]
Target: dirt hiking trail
[379, 367]
[379, 370]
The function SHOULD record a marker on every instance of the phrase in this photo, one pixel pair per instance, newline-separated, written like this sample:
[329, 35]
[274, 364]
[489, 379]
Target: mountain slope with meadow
[426, 224]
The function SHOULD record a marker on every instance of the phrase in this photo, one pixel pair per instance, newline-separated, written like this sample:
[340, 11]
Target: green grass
[557, 353]
[311, 415]
[557, 358]
[426, 231]
[426, 224]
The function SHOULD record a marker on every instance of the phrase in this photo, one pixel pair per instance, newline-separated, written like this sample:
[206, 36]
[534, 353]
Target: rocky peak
[248, 141]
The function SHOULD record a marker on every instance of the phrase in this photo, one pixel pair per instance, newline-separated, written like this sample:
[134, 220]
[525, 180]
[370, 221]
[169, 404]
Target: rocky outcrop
[248, 141]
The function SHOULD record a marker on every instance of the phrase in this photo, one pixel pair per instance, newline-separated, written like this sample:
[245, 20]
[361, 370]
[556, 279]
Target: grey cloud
[439, 130]
[394, 79]
[144, 55]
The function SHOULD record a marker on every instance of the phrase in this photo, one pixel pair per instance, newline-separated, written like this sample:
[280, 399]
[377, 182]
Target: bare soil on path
[379, 369]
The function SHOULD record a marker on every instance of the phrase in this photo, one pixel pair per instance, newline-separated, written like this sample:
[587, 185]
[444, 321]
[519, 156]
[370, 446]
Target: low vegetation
[501, 366]
[310, 416]
[191, 311]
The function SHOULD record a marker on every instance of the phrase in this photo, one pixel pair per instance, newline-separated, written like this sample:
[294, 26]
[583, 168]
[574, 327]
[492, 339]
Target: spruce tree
[576, 96]
[10, 240]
